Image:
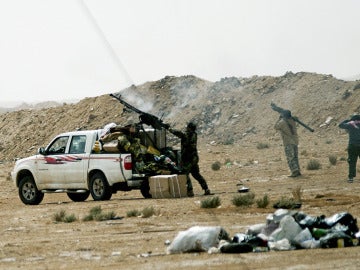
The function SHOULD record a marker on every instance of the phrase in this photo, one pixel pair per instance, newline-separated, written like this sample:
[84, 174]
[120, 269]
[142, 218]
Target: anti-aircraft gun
[155, 139]
[281, 111]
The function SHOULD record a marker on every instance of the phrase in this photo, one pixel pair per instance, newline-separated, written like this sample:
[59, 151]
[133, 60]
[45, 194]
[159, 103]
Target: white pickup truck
[68, 164]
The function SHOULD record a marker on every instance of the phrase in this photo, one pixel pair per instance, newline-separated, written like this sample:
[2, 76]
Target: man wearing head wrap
[287, 128]
[190, 157]
[352, 126]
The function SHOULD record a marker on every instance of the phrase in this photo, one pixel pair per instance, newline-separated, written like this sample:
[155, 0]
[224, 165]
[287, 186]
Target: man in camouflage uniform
[287, 128]
[190, 157]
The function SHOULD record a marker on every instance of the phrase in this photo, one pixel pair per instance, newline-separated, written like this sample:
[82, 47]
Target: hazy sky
[65, 49]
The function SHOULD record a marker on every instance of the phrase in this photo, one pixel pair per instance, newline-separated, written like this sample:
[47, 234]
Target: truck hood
[24, 160]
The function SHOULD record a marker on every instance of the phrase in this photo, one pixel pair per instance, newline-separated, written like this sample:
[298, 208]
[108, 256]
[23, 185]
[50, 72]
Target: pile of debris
[283, 230]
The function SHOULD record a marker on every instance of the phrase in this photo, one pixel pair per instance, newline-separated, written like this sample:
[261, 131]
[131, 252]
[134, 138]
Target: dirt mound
[226, 111]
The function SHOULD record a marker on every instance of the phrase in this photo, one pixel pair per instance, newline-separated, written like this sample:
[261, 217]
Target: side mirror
[41, 151]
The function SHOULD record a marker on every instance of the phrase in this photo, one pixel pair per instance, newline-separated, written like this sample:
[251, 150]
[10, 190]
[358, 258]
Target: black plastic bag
[236, 248]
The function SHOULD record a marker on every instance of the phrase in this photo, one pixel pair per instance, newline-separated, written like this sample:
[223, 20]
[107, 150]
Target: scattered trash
[283, 230]
[281, 245]
[144, 255]
[287, 204]
[335, 239]
[197, 239]
[167, 242]
[255, 229]
[260, 249]
[236, 248]
[243, 189]
[214, 250]
[327, 122]
[116, 253]
[240, 237]
[11, 259]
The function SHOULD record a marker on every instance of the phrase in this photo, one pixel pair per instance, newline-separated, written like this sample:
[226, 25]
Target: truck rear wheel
[28, 192]
[145, 189]
[78, 197]
[99, 188]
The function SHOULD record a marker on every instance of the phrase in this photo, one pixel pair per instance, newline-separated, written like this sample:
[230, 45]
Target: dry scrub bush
[287, 203]
[290, 203]
[332, 159]
[213, 202]
[148, 212]
[133, 213]
[61, 216]
[263, 202]
[313, 164]
[297, 193]
[262, 145]
[145, 213]
[229, 141]
[216, 166]
[70, 218]
[96, 213]
[243, 199]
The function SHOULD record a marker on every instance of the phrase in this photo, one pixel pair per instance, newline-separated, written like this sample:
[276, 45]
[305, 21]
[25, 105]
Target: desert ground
[31, 239]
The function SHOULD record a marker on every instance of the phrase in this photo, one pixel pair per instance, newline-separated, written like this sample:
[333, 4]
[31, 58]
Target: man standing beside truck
[190, 157]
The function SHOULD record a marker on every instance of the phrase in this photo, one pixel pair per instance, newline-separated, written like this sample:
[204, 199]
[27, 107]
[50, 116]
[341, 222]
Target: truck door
[50, 172]
[75, 163]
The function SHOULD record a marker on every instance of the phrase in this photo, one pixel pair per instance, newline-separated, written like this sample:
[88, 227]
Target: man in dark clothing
[352, 126]
[190, 157]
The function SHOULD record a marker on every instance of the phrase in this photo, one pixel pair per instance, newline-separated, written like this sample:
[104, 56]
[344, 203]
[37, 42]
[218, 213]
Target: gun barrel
[144, 117]
[123, 102]
[304, 125]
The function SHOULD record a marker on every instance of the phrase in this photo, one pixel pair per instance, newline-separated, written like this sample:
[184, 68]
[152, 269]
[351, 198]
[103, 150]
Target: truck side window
[58, 146]
[77, 145]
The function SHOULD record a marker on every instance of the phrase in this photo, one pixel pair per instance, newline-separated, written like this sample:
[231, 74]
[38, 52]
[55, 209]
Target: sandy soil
[30, 239]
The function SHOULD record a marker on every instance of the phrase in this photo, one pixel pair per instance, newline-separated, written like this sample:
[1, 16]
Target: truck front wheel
[99, 188]
[28, 192]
